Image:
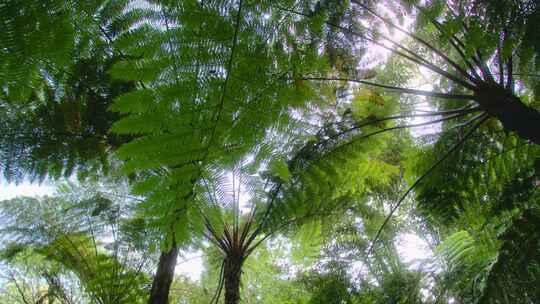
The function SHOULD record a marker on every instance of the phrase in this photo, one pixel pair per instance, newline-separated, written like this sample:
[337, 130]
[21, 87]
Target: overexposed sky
[190, 264]
[10, 190]
[413, 250]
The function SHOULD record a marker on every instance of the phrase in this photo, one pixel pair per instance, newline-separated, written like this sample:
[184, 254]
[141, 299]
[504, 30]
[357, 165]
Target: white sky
[190, 264]
[413, 250]
[9, 191]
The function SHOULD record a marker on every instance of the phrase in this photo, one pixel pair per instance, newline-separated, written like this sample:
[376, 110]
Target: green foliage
[506, 29]
[186, 291]
[212, 107]
[209, 92]
[497, 175]
[55, 89]
[28, 277]
[475, 200]
[306, 244]
[268, 275]
[512, 276]
[34, 33]
[66, 130]
[44, 38]
[331, 288]
[69, 232]
[519, 20]
[326, 173]
[468, 261]
[279, 168]
[100, 274]
[370, 104]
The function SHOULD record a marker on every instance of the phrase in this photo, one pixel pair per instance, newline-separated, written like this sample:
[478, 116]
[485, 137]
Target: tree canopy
[297, 145]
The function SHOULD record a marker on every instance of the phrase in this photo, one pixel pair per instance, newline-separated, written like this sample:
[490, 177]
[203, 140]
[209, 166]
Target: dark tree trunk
[159, 294]
[510, 111]
[232, 271]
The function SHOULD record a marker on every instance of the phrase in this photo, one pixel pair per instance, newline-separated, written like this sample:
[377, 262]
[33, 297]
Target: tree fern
[213, 76]
[82, 232]
[318, 180]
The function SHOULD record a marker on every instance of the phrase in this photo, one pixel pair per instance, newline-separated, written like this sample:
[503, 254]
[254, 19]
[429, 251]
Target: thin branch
[215, 236]
[392, 128]
[228, 237]
[250, 248]
[215, 298]
[483, 118]
[472, 68]
[33, 135]
[217, 115]
[92, 234]
[211, 239]
[456, 43]
[455, 113]
[247, 227]
[483, 67]
[235, 202]
[133, 280]
[421, 62]
[441, 113]
[477, 57]
[487, 160]
[82, 257]
[528, 75]
[415, 57]
[323, 212]
[269, 207]
[425, 43]
[19, 289]
[397, 89]
[500, 63]
[509, 75]
[131, 197]
[258, 230]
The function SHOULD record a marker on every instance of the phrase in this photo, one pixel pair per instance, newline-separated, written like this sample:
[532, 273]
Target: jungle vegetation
[295, 147]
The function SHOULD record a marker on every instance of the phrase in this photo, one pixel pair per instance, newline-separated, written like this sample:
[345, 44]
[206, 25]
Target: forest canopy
[300, 150]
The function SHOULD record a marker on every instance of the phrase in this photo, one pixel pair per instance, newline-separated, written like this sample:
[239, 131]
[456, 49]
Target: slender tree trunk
[159, 294]
[232, 271]
[510, 111]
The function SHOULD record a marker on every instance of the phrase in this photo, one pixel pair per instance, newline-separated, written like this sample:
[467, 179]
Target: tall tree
[469, 72]
[213, 78]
